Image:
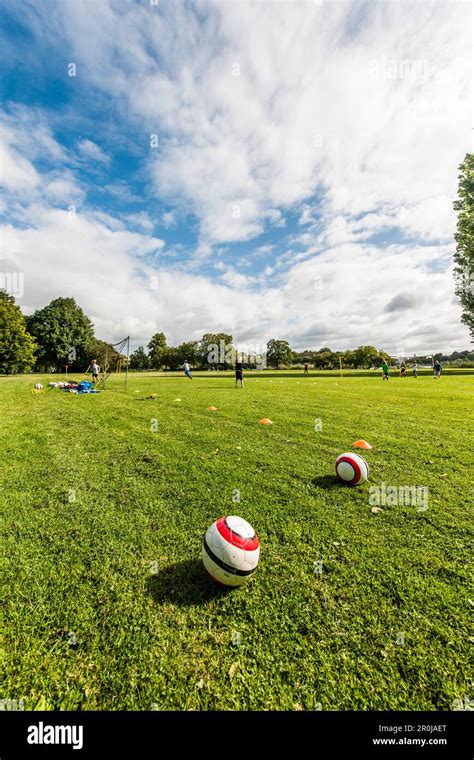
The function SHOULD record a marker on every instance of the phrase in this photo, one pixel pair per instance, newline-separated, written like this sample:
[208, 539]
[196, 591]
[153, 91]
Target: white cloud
[263, 250]
[62, 188]
[25, 137]
[236, 279]
[92, 152]
[169, 219]
[17, 173]
[121, 190]
[28, 129]
[141, 220]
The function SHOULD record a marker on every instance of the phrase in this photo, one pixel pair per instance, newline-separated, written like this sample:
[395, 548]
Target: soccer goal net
[117, 356]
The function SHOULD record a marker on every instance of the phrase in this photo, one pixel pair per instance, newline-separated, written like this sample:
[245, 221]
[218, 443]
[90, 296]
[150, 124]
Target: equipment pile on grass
[72, 387]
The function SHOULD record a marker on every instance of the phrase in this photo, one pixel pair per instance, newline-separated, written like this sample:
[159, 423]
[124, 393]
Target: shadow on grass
[328, 482]
[185, 584]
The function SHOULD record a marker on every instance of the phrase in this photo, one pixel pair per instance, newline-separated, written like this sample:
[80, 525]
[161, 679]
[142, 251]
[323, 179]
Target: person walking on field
[403, 369]
[437, 369]
[187, 369]
[415, 370]
[239, 373]
[95, 369]
[385, 370]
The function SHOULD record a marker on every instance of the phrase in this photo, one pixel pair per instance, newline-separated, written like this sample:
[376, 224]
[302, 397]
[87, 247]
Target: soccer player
[415, 370]
[187, 369]
[385, 370]
[437, 369]
[95, 369]
[239, 373]
[306, 368]
[403, 369]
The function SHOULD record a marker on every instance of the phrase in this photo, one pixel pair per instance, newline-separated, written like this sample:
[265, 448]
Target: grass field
[107, 603]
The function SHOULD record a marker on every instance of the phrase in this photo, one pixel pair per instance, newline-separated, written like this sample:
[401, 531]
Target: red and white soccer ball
[230, 551]
[352, 468]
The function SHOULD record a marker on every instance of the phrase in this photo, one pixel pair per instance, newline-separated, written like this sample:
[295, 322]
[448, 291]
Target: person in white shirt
[95, 369]
[187, 369]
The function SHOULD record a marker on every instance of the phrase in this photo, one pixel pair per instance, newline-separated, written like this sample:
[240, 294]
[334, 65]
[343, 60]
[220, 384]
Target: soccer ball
[352, 468]
[38, 387]
[230, 551]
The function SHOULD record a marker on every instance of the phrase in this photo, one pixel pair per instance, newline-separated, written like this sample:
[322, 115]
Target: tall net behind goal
[116, 362]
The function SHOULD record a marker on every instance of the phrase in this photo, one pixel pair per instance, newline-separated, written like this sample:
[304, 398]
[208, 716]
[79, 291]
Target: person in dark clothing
[239, 373]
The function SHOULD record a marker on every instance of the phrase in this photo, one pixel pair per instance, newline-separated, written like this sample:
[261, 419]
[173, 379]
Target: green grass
[162, 633]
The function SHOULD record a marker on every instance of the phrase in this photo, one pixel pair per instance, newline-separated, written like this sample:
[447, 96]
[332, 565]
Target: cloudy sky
[267, 168]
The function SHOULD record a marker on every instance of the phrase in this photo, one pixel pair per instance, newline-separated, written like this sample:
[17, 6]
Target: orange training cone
[266, 421]
[360, 444]
[212, 408]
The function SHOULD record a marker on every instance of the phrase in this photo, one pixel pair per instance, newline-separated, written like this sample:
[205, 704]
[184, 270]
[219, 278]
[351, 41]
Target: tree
[278, 352]
[464, 237]
[383, 357]
[189, 351]
[156, 350]
[216, 350]
[171, 358]
[326, 360]
[63, 333]
[348, 359]
[139, 359]
[366, 356]
[17, 347]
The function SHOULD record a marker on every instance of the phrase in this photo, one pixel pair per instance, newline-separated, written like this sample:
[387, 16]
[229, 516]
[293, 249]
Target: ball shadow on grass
[328, 482]
[185, 584]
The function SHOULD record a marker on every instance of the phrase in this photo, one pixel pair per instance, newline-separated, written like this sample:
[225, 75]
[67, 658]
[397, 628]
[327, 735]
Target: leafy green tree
[171, 358]
[366, 356]
[139, 359]
[189, 351]
[300, 357]
[278, 352]
[464, 237]
[63, 333]
[326, 360]
[216, 350]
[348, 359]
[156, 350]
[17, 347]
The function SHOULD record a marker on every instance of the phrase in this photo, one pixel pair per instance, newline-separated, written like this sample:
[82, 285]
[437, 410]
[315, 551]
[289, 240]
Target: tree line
[61, 336]
[217, 351]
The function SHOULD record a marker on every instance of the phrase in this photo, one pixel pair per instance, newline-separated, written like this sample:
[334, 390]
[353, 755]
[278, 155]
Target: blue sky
[270, 169]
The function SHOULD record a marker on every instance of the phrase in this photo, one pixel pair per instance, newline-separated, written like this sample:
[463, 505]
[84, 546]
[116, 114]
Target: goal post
[119, 349]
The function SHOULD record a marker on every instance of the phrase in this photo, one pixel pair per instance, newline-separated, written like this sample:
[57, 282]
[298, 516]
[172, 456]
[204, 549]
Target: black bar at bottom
[158, 734]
